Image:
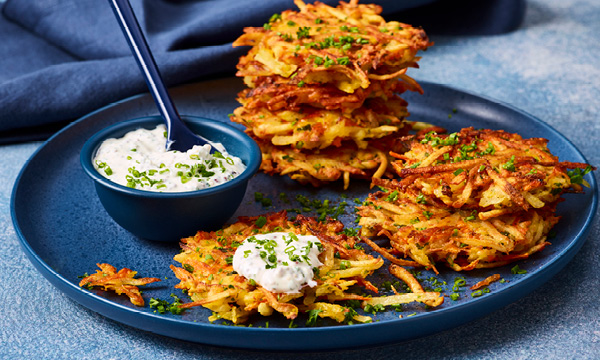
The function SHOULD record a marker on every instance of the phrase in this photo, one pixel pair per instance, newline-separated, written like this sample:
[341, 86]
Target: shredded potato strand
[121, 282]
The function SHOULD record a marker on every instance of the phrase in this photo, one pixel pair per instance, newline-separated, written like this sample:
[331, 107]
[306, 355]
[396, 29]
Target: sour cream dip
[139, 160]
[279, 262]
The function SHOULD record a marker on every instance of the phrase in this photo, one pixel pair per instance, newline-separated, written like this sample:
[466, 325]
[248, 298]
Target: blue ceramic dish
[171, 216]
[52, 220]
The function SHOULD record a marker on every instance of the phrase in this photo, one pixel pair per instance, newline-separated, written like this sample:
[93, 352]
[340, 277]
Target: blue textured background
[549, 68]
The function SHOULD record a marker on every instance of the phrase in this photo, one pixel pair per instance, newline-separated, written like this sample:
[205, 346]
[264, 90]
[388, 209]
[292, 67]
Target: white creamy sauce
[279, 262]
[139, 160]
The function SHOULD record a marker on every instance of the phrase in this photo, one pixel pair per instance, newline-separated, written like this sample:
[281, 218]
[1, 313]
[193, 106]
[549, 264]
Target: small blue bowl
[172, 216]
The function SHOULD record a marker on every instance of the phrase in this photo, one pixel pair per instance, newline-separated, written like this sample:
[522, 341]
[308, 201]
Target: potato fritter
[472, 199]
[312, 128]
[274, 95]
[208, 277]
[429, 233]
[345, 46]
[330, 164]
[490, 171]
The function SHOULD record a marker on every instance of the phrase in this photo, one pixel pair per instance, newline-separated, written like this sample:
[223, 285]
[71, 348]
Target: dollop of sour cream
[139, 160]
[279, 262]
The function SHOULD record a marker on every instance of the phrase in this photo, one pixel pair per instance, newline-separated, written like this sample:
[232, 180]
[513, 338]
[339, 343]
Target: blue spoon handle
[139, 47]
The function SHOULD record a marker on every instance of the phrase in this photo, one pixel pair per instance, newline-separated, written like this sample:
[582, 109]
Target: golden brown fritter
[346, 46]
[429, 233]
[490, 171]
[472, 199]
[274, 94]
[312, 128]
[330, 164]
[208, 277]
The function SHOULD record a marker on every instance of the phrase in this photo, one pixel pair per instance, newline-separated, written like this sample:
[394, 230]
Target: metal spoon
[179, 136]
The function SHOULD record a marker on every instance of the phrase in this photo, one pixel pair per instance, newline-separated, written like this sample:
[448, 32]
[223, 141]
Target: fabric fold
[61, 59]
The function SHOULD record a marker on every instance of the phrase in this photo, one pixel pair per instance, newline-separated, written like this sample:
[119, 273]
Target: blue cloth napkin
[61, 59]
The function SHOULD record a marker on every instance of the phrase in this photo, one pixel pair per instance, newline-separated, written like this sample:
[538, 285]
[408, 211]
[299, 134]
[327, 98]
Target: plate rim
[483, 305]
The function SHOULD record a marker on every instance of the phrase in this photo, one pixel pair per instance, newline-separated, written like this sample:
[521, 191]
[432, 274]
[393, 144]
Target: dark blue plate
[65, 231]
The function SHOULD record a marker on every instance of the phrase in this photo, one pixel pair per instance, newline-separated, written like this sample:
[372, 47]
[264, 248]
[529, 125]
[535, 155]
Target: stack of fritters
[323, 83]
[472, 199]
